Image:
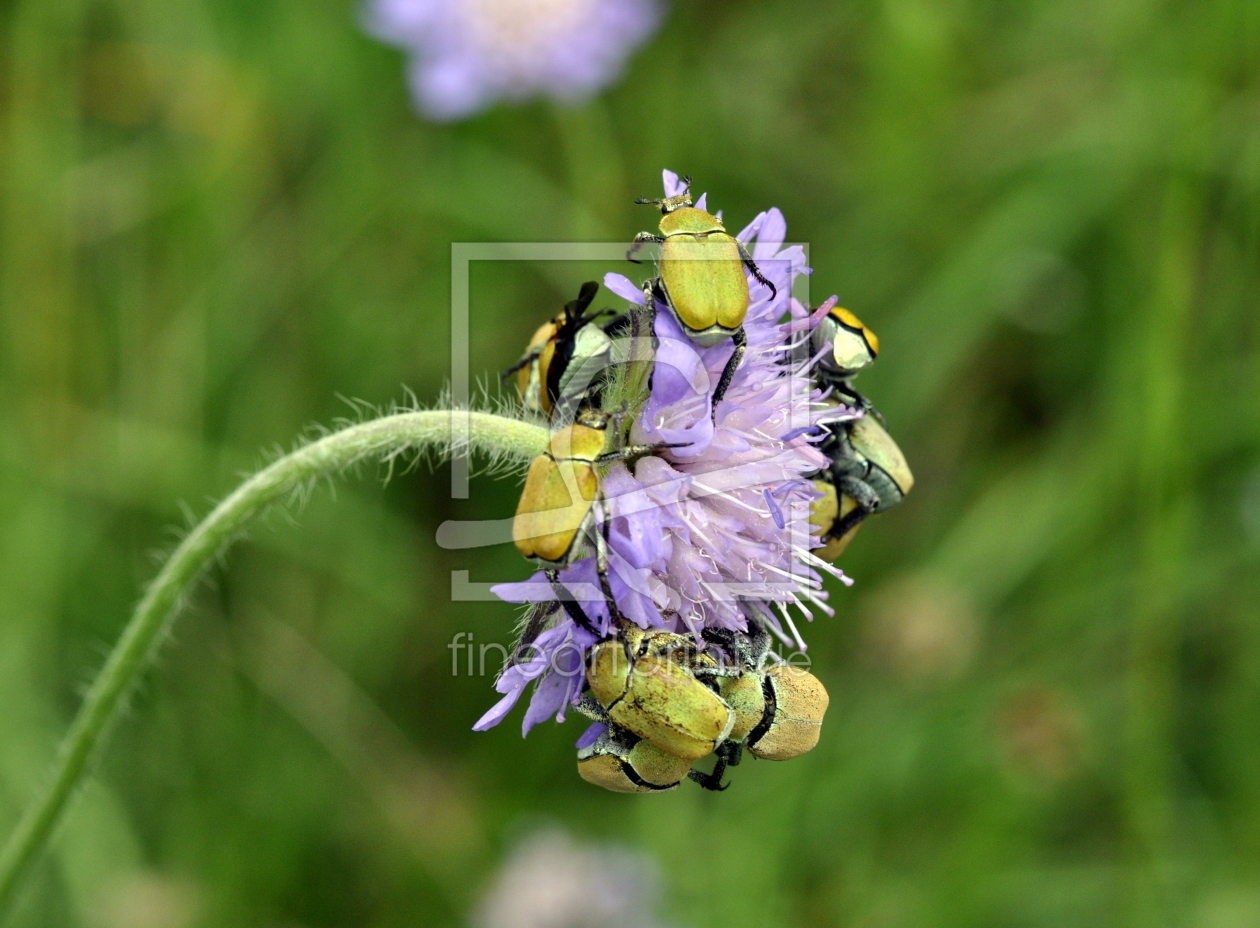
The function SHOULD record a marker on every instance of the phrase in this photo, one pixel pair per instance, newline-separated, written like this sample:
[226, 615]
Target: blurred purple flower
[552, 881]
[714, 533]
[466, 54]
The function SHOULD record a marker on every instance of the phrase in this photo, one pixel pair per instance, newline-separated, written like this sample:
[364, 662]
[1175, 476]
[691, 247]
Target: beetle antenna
[528, 359]
[601, 562]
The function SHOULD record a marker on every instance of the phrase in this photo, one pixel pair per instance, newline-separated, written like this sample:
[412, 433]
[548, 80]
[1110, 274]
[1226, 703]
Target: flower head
[466, 54]
[714, 532]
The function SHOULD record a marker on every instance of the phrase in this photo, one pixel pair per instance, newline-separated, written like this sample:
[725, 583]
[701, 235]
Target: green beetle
[701, 278]
[643, 682]
[867, 468]
[623, 762]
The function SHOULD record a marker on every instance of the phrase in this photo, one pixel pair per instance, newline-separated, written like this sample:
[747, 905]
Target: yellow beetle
[778, 711]
[560, 491]
[854, 347]
[701, 277]
[828, 510]
[564, 357]
[644, 682]
[796, 702]
[624, 763]
[555, 512]
[555, 515]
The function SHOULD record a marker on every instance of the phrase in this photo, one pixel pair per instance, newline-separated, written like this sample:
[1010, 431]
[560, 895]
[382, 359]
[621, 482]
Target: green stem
[379, 439]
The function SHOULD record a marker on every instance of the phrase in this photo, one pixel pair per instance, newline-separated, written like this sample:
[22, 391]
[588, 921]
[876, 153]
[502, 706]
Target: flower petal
[625, 288]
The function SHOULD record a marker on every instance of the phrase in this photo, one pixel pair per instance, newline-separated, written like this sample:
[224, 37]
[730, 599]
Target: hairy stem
[378, 439]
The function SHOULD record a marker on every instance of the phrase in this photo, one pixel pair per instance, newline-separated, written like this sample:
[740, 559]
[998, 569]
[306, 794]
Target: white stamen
[813, 560]
[728, 497]
[803, 579]
[800, 642]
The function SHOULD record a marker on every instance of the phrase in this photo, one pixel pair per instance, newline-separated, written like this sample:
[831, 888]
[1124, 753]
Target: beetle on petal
[701, 278]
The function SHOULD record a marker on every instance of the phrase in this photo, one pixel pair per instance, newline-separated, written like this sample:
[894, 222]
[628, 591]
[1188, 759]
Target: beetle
[555, 515]
[867, 472]
[644, 682]
[854, 347]
[701, 268]
[778, 710]
[796, 702]
[621, 761]
[565, 356]
[827, 509]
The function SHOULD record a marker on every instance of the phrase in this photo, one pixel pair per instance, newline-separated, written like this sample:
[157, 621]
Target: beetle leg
[601, 563]
[723, 636]
[589, 706]
[632, 451]
[713, 780]
[528, 359]
[535, 621]
[842, 389]
[639, 240]
[862, 494]
[728, 373]
[716, 671]
[651, 299]
[757, 643]
[571, 605]
[754, 270]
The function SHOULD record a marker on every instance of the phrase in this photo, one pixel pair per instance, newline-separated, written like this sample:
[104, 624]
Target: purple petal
[747, 234]
[536, 589]
[678, 409]
[625, 288]
[558, 688]
[770, 235]
[499, 711]
[591, 735]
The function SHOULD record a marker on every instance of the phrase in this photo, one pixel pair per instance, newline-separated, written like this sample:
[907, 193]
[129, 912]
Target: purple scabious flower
[551, 880]
[713, 533]
[466, 54]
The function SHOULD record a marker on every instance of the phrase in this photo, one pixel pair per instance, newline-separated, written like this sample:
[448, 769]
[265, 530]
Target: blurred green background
[218, 218]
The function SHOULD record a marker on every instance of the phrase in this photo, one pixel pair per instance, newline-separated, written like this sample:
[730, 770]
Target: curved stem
[378, 439]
